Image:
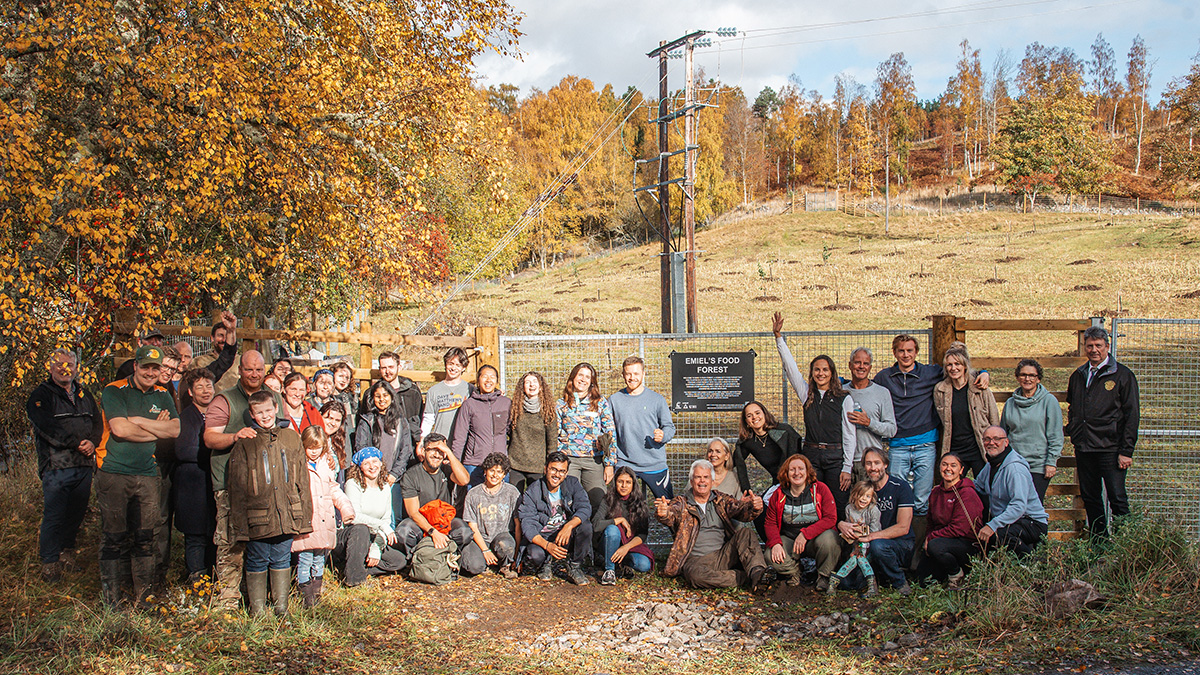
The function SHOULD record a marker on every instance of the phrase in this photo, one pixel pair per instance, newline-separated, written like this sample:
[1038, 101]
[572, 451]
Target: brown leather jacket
[684, 520]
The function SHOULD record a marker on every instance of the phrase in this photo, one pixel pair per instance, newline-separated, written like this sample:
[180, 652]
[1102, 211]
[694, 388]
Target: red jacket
[954, 513]
[310, 417]
[826, 513]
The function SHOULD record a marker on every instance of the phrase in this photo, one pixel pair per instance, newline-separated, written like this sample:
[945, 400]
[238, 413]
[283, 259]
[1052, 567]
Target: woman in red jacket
[800, 519]
[955, 516]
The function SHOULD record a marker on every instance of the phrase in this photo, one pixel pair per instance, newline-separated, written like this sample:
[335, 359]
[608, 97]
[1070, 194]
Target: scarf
[533, 404]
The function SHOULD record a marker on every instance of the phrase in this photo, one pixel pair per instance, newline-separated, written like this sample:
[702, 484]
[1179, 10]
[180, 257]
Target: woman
[273, 383]
[965, 409]
[830, 438]
[622, 522]
[1033, 419]
[584, 417]
[766, 439]
[281, 369]
[334, 417]
[534, 431]
[955, 516]
[302, 413]
[724, 477]
[481, 426]
[369, 545]
[322, 388]
[345, 391]
[192, 497]
[384, 427]
[800, 518]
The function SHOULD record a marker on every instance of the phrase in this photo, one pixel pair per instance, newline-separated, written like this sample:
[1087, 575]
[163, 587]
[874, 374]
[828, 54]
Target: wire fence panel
[1164, 355]
[554, 355]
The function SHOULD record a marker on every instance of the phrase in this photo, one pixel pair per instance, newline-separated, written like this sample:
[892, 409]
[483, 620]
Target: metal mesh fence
[1164, 354]
[554, 356]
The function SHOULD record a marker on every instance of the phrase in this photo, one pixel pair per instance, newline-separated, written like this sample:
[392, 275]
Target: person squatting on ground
[955, 516]
[622, 522]
[801, 515]
[1018, 519]
[369, 546]
[431, 481]
[67, 428]
[490, 511]
[710, 550]
[892, 546]
[863, 513]
[555, 515]
[328, 501]
[270, 502]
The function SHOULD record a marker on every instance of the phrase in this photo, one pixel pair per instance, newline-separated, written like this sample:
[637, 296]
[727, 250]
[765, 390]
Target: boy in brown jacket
[269, 500]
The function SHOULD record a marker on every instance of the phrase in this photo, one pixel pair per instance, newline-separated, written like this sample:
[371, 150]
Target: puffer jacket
[683, 518]
[982, 404]
[326, 496]
[268, 487]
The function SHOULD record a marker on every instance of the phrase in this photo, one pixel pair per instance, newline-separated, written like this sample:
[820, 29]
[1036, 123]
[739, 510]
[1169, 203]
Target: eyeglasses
[1027, 375]
[994, 440]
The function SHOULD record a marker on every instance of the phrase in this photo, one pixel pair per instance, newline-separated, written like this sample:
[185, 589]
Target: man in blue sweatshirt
[1018, 519]
[644, 428]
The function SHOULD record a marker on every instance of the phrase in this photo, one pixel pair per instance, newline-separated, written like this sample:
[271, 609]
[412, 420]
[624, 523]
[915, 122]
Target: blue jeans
[612, 542]
[274, 553]
[65, 494]
[917, 460]
[890, 557]
[310, 565]
[659, 483]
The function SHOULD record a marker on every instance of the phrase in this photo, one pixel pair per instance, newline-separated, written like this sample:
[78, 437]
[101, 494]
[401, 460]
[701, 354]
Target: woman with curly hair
[623, 521]
[534, 430]
[800, 517]
[586, 430]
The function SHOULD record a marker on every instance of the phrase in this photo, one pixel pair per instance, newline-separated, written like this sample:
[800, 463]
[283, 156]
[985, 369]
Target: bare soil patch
[995, 280]
[1084, 261]
[1189, 296]
[921, 275]
[839, 307]
[856, 251]
[815, 287]
[565, 290]
[1009, 258]
[548, 310]
[871, 267]
[947, 255]
[886, 294]
[591, 299]
[624, 310]
[1086, 287]
[729, 274]
[711, 289]
[973, 302]
[766, 298]
[518, 303]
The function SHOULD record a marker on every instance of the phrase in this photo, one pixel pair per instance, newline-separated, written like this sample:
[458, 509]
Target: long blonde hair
[315, 436]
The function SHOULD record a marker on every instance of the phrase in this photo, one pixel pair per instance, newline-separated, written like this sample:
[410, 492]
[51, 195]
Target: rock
[1068, 597]
[471, 616]
[909, 640]
[890, 646]
[592, 628]
[823, 621]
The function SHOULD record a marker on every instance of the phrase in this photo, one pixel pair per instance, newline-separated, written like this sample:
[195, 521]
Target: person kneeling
[269, 502]
[623, 522]
[489, 510]
[710, 551]
[556, 521]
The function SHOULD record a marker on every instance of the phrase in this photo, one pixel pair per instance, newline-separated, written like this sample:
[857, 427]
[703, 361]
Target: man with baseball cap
[151, 338]
[137, 413]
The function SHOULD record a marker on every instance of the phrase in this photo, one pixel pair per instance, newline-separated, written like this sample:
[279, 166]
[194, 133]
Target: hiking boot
[256, 592]
[507, 571]
[756, 579]
[576, 575]
[791, 579]
[143, 571]
[872, 587]
[954, 581]
[904, 589]
[822, 584]
[546, 571]
[52, 572]
[281, 588]
[67, 558]
[624, 571]
[609, 578]
[831, 585]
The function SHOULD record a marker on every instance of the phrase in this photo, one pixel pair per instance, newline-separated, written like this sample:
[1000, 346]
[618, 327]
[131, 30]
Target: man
[404, 391]
[913, 449]
[137, 413]
[225, 422]
[219, 360]
[710, 551]
[184, 350]
[443, 399]
[1103, 413]
[67, 427]
[1018, 520]
[874, 418]
[164, 457]
[644, 428]
[428, 482]
[151, 338]
[556, 521]
[490, 511]
[892, 546]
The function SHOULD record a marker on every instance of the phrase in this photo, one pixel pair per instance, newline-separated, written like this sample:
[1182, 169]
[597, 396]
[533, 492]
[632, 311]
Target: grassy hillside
[976, 265]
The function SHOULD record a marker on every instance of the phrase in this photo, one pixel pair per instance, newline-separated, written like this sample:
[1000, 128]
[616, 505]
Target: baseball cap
[147, 355]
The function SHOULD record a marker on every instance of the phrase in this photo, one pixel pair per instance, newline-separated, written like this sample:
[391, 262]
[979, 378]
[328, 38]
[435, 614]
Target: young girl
[622, 520]
[326, 496]
[863, 512]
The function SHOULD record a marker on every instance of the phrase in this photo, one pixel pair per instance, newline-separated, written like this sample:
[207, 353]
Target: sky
[607, 40]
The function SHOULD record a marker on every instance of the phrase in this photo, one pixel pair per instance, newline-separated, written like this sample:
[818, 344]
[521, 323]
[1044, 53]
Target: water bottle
[857, 407]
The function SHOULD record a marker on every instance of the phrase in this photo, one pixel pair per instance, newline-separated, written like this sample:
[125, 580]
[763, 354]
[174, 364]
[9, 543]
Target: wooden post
[940, 200]
[487, 342]
[365, 353]
[943, 335]
[249, 345]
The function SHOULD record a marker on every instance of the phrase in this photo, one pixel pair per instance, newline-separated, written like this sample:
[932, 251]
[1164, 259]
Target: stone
[909, 640]
[823, 622]
[890, 646]
[471, 616]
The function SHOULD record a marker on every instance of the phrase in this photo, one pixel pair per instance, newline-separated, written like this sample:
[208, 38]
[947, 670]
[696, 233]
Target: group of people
[270, 474]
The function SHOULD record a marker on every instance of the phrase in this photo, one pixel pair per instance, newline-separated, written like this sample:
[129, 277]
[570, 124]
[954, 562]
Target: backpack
[433, 565]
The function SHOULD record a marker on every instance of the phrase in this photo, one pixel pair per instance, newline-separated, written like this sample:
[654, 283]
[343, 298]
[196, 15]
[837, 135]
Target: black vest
[823, 419]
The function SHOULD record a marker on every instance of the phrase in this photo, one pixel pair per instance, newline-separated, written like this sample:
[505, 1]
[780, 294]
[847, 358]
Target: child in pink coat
[326, 496]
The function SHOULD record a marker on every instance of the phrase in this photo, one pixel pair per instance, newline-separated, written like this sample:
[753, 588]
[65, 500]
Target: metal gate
[1164, 355]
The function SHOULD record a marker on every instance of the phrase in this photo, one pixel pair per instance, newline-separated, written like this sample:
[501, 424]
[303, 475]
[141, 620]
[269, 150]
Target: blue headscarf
[365, 454]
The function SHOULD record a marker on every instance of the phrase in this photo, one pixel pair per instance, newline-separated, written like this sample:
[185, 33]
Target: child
[489, 511]
[269, 501]
[326, 496]
[864, 514]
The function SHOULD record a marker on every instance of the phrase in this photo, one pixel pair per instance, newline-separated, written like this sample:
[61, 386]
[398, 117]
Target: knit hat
[365, 454]
[323, 371]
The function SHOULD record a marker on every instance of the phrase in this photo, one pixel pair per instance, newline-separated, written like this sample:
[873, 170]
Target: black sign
[711, 381]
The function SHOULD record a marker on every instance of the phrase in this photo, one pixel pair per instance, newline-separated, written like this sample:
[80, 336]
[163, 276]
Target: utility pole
[664, 190]
[689, 185]
[887, 182]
